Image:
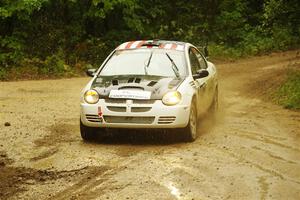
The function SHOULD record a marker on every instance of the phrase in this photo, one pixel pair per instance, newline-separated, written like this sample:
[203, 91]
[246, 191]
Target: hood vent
[151, 83]
[115, 82]
[131, 87]
[134, 80]
[130, 80]
[137, 80]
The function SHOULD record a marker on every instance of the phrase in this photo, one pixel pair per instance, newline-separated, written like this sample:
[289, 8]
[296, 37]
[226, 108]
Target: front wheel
[87, 133]
[190, 130]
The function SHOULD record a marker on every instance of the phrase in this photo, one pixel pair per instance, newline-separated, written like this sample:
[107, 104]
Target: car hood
[157, 85]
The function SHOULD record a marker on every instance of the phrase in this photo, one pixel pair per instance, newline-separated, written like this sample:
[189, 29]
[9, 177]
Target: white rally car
[149, 84]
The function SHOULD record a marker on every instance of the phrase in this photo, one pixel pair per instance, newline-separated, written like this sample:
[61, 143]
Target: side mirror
[206, 54]
[91, 72]
[201, 74]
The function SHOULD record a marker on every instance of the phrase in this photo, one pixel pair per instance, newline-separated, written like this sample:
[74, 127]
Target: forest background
[51, 38]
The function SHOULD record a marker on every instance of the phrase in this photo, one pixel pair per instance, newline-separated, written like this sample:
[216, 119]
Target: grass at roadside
[288, 94]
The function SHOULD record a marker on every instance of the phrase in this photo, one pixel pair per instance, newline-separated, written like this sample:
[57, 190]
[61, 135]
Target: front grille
[130, 120]
[115, 101]
[116, 108]
[93, 118]
[142, 101]
[140, 109]
[166, 119]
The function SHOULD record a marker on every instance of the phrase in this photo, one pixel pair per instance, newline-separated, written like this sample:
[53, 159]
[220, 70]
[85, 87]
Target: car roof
[160, 44]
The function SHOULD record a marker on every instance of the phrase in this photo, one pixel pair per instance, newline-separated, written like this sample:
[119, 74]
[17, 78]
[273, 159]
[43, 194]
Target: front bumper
[118, 113]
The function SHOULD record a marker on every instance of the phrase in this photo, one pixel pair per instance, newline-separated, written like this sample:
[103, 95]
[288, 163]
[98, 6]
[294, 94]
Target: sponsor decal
[129, 94]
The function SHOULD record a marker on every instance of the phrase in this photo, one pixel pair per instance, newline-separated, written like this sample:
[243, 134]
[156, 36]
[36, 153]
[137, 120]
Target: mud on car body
[149, 84]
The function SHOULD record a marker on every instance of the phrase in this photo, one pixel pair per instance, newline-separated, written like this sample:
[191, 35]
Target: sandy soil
[252, 152]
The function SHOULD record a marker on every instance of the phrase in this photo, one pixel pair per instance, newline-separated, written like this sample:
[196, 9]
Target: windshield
[145, 62]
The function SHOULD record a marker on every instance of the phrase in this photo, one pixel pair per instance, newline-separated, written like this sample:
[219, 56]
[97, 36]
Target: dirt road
[252, 152]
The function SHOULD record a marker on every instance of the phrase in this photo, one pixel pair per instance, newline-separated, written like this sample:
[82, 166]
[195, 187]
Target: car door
[199, 84]
[209, 80]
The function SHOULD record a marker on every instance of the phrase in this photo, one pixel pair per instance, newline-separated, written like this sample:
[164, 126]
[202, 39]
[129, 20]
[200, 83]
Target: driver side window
[195, 65]
[201, 59]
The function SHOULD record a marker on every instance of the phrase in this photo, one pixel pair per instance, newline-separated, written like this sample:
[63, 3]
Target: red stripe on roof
[128, 45]
[173, 46]
[162, 46]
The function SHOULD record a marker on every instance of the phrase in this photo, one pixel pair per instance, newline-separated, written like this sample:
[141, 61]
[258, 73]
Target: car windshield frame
[154, 51]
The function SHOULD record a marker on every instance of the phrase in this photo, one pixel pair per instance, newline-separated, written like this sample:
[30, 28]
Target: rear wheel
[190, 130]
[87, 133]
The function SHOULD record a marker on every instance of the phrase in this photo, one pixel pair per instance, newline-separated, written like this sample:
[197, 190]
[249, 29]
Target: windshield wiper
[174, 66]
[148, 63]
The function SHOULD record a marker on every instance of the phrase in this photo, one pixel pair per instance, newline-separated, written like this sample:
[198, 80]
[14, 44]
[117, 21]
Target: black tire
[190, 131]
[87, 133]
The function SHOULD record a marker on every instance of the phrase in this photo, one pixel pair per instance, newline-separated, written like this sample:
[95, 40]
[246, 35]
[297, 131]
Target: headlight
[171, 98]
[91, 96]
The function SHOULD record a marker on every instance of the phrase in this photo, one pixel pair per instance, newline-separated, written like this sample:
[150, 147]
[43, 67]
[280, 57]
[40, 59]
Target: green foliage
[288, 94]
[222, 52]
[11, 50]
[54, 64]
[231, 24]
[71, 32]
[20, 8]
[3, 73]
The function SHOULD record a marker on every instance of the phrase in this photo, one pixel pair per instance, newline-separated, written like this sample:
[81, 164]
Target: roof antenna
[154, 42]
